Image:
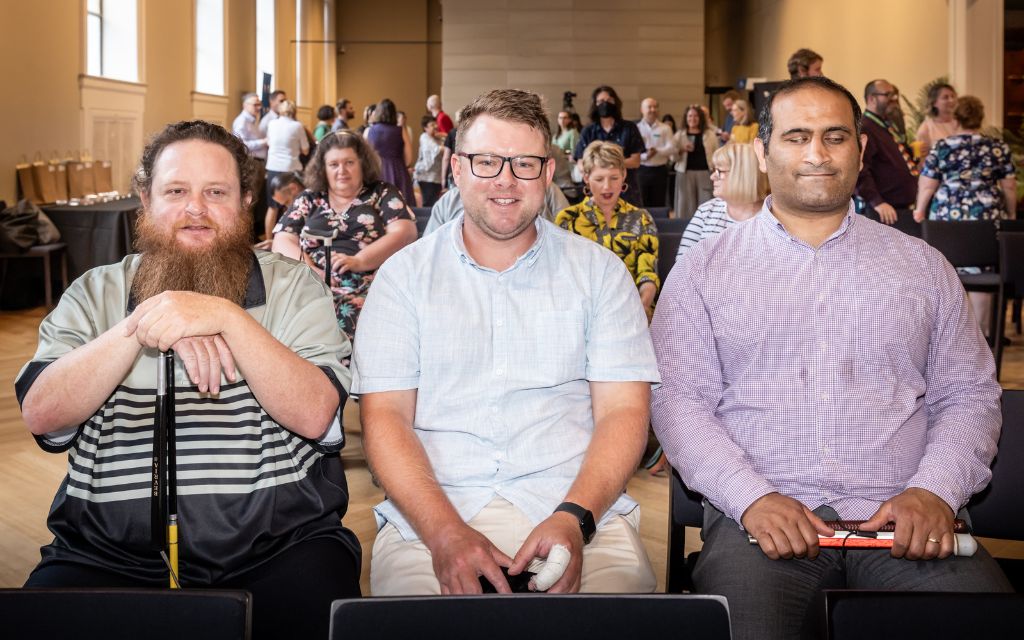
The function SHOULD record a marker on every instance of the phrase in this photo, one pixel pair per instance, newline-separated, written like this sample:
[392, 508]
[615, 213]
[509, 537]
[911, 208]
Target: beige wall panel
[284, 33]
[551, 47]
[906, 41]
[240, 55]
[170, 66]
[40, 55]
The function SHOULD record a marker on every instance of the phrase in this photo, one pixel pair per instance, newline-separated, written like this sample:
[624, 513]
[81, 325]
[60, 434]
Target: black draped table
[97, 234]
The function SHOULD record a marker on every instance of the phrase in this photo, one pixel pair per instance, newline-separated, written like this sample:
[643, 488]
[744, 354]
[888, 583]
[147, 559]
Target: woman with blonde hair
[286, 141]
[744, 129]
[740, 188]
[606, 218]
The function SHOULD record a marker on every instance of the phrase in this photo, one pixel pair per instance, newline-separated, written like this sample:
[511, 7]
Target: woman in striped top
[739, 188]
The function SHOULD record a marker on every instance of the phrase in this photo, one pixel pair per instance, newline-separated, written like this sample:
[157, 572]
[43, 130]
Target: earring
[625, 187]
[586, 190]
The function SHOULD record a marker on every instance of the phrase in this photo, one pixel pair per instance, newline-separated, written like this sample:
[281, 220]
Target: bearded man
[259, 386]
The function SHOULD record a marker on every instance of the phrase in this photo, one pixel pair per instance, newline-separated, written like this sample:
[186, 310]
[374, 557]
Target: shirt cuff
[944, 488]
[377, 385]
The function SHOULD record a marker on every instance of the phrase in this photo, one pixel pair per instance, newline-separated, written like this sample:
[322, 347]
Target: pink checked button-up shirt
[840, 375]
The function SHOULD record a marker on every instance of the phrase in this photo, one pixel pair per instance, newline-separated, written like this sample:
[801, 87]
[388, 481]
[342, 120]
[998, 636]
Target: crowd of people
[509, 363]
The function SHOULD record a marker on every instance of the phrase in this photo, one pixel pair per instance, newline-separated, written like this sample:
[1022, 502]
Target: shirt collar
[528, 258]
[770, 221]
[255, 290]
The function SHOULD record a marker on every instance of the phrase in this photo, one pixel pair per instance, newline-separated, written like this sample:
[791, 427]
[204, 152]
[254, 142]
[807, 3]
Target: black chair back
[1013, 226]
[671, 225]
[1011, 259]
[125, 614]
[967, 243]
[668, 246]
[658, 212]
[422, 218]
[686, 510]
[909, 615]
[533, 616]
[996, 511]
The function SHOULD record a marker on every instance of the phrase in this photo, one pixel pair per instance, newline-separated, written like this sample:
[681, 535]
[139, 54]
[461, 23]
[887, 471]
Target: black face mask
[607, 110]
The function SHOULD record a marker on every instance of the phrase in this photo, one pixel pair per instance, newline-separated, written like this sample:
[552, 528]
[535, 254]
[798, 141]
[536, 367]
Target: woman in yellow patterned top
[606, 218]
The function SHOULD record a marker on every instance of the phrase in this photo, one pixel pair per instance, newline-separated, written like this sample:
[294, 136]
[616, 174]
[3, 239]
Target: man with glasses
[247, 128]
[888, 179]
[504, 368]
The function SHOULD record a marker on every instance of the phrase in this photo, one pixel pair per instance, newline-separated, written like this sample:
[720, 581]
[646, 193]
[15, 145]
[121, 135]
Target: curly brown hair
[204, 131]
[969, 112]
[369, 161]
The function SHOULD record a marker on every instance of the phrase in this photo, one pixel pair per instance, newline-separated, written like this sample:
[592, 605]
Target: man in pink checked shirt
[818, 365]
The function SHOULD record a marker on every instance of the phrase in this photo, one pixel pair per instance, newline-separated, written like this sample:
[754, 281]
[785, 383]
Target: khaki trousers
[615, 561]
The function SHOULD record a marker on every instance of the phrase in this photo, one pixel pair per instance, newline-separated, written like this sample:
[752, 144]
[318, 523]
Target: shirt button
[499, 322]
[825, 451]
[499, 372]
[824, 396]
[821, 298]
[821, 343]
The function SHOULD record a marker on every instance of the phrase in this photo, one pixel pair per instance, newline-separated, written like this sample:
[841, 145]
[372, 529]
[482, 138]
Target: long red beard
[218, 269]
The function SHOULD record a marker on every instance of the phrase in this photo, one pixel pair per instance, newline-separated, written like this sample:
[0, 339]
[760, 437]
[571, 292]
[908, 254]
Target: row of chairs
[227, 615]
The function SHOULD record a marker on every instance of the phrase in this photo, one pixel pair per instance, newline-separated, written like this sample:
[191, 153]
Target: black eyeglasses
[488, 165]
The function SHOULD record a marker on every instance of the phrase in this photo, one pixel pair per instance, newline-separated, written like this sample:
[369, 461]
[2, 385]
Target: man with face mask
[606, 123]
[817, 366]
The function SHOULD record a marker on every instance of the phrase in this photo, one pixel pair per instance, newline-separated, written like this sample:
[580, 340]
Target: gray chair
[125, 614]
[533, 616]
[686, 509]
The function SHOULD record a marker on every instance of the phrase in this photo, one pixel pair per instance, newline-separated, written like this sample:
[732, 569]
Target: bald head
[649, 110]
[434, 104]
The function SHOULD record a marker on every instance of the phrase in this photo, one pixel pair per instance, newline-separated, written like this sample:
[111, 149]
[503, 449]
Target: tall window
[210, 46]
[112, 39]
[264, 40]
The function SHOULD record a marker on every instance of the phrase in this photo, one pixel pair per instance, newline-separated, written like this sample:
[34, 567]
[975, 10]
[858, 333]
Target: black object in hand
[519, 583]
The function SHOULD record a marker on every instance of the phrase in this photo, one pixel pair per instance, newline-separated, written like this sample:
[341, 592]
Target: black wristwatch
[584, 516]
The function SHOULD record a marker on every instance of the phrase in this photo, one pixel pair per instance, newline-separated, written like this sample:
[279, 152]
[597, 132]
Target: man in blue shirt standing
[504, 368]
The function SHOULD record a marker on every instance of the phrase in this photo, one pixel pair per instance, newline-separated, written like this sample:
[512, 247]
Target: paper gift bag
[81, 179]
[103, 176]
[26, 182]
[45, 176]
[62, 177]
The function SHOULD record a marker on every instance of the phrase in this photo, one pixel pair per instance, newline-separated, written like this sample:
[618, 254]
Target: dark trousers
[653, 185]
[904, 220]
[259, 207]
[291, 593]
[784, 599]
[430, 191]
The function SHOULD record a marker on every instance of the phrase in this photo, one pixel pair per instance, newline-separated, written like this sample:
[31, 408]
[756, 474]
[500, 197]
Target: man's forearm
[620, 434]
[71, 389]
[400, 464]
[311, 402]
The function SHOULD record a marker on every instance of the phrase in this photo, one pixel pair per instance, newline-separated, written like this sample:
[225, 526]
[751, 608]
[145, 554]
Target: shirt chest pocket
[546, 350]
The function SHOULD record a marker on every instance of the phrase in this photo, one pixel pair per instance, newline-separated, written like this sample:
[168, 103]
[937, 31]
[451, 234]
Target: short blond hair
[603, 155]
[286, 108]
[745, 181]
[746, 109]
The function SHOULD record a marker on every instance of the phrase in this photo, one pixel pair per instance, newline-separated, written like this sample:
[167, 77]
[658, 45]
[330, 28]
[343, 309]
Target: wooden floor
[29, 478]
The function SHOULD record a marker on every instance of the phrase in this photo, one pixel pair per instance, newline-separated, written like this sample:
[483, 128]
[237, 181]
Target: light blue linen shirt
[501, 362]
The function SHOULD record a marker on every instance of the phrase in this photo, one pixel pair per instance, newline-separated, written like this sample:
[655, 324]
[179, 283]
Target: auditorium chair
[125, 614]
[658, 213]
[668, 246]
[916, 615]
[685, 510]
[996, 511]
[672, 225]
[422, 218]
[1011, 271]
[970, 243]
[533, 617]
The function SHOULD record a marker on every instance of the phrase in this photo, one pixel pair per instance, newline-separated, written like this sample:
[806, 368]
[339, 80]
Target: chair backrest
[668, 246]
[966, 243]
[128, 614]
[685, 510]
[996, 511]
[1011, 258]
[908, 615]
[673, 225]
[657, 212]
[533, 616]
[1017, 224]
